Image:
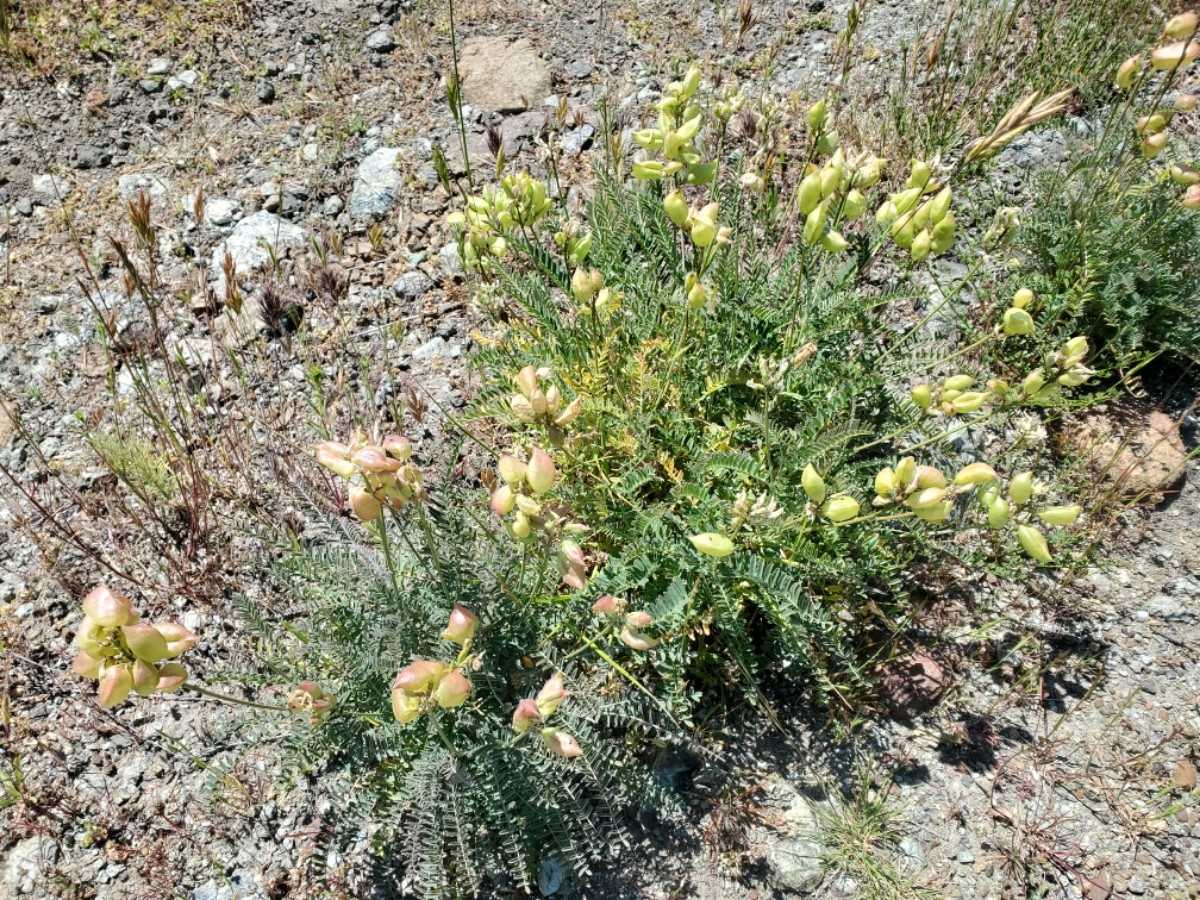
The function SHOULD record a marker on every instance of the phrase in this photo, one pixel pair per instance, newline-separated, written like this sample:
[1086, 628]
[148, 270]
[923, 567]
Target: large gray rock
[252, 240]
[23, 865]
[503, 74]
[793, 853]
[376, 185]
[153, 186]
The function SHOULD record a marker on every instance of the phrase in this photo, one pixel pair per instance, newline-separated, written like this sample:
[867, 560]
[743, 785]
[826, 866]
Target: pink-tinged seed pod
[527, 381]
[525, 715]
[522, 408]
[540, 473]
[539, 402]
[552, 694]
[374, 460]
[178, 638]
[572, 553]
[1186, 102]
[639, 619]
[553, 399]
[171, 677]
[570, 414]
[511, 469]
[336, 458]
[561, 743]
[107, 609]
[145, 642]
[145, 678]
[453, 690]
[634, 639]
[397, 447]
[1181, 26]
[419, 675]
[462, 625]
[503, 500]
[365, 505]
[1172, 55]
[85, 666]
[1191, 197]
[115, 685]
[609, 605]
[405, 707]
[575, 579]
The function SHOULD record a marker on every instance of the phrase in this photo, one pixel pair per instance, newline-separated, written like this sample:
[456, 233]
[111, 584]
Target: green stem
[458, 116]
[946, 434]
[442, 736]
[679, 348]
[431, 543]
[389, 560]
[234, 700]
[933, 312]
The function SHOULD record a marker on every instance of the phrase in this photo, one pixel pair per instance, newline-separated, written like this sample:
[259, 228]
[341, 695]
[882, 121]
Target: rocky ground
[1060, 764]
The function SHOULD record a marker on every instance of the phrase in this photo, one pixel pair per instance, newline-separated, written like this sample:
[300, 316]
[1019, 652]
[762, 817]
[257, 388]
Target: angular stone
[1135, 450]
[153, 186]
[503, 74]
[251, 238]
[376, 185]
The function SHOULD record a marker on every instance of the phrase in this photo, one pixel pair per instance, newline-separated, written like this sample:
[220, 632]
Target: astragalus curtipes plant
[738, 397]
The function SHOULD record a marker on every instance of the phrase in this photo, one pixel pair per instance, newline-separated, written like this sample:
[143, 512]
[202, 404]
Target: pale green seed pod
[689, 129]
[904, 235]
[813, 483]
[1127, 72]
[1022, 298]
[920, 175]
[540, 472]
[922, 396]
[885, 482]
[1020, 489]
[1033, 383]
[648, 170]
[927, 497]
[834, 242]
[1034, 543]
[145, 642]
[929, 477]
[854, 205]
[814, 223]
[828, 142]
[941, 204]
[1181, 26]
[906, 472]
[937, 513]
[1060, 515]
[958, 382]
[817, 115]
[921, 245]
[1017, 322]
[971, 401]
[989, 494]
[975, 473]
[998, 513]
[943, 234]
[711, 544]
[840, 508]
[1174, 55]
[676, 207]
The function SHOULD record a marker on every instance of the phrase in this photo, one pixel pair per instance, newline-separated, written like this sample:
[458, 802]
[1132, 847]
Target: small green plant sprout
[530, 713]
[310, 699]
[125, 654]
[921, 224]
[378, 474]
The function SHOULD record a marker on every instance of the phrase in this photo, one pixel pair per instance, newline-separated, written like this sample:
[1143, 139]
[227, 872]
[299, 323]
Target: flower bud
[171, 677]
[1127, 72]
[712, 544]
[115, 685]
[998, 513]
[1022, 298]
[1034, 543]
[85, 666]
[609, 605]
[1017, 321]
[885, 482]
[503, 500]
[145, 642]
[462, 625]
[364, 505]
[1021, 488]
[922, 396]
[975, 473]
[179, 639]
[840, 508]
[1060, 515]
[814, 484]
[1181, 26]
[676, 207]
[145, 678]
[551, 696]
[405, 706]
[107, 609]
[453, 690]
[540, 473]
[419, 675]
[561, 743]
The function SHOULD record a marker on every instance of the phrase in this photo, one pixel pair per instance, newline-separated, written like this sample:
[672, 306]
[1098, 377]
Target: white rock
[376, 185]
